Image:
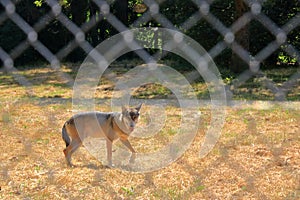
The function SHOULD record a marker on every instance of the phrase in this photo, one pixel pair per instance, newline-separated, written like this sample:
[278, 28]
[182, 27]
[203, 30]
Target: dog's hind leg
[75, 144]
[109, 152]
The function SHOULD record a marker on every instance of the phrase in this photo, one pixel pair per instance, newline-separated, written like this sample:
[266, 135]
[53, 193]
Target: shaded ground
[46, 83]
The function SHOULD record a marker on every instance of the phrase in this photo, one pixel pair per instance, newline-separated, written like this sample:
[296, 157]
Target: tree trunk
[79, 17]
[241, 37]
[93, 33]
[122, 11]
[79, 11]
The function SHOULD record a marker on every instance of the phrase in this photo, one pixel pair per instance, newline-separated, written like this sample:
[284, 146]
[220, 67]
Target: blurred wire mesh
[149, 14]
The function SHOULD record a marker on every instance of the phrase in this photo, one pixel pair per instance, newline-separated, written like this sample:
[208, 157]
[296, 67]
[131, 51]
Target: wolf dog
[108, 125]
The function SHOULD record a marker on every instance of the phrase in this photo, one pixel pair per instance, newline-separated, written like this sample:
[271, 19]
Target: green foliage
[38, 3]
[128, 191]
[55, 36]
[280, 12]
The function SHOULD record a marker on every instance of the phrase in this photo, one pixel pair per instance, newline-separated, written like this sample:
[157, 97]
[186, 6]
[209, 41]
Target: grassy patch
[152, 90]
[36, 161]
[49, 83]
[255, 156]
[128, 191]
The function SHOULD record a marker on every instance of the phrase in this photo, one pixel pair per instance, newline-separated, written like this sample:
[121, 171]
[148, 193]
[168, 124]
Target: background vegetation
[55, 36]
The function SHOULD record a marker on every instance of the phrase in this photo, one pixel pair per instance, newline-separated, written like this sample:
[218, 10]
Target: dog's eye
[134, 115]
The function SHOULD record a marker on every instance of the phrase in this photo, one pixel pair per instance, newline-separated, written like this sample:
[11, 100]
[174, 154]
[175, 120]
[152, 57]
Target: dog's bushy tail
[65, 135]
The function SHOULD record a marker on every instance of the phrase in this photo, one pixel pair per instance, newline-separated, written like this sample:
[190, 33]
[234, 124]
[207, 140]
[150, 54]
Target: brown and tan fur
[108, 125]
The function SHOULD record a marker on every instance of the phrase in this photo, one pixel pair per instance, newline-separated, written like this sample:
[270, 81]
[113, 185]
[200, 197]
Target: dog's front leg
[128, 145]
[109, 152]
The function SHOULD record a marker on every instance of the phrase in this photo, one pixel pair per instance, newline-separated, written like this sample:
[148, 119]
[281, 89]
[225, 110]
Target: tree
[241, 37]
[121, 7]
[79, 11]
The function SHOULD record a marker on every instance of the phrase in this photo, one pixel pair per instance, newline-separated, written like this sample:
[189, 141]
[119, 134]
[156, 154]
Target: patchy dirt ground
[256, 157]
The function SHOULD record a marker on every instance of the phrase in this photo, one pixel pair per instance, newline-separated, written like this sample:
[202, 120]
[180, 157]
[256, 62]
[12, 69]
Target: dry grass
[257, 156]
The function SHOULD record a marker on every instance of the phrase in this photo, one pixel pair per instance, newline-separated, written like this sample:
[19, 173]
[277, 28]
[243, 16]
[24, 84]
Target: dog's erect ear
[124, 109]
[139, 107]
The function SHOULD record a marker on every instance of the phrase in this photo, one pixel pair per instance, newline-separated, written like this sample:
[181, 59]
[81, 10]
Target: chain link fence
[52, 175]
[228, 33]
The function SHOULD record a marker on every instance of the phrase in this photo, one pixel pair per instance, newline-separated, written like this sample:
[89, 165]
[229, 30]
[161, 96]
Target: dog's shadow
[92, 166]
